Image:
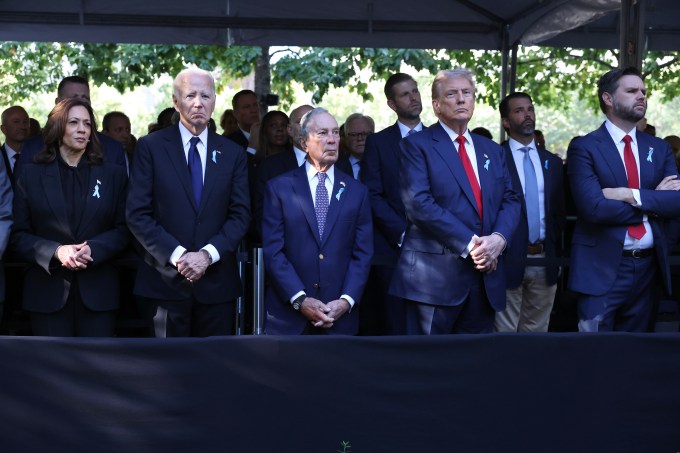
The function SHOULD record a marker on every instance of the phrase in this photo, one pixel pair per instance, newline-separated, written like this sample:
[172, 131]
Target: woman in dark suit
[69, 224]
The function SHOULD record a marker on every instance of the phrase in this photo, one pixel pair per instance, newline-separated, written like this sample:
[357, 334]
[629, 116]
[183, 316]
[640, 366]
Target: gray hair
[446, 74]
[307, 118]
[188, 71]
[359, 116]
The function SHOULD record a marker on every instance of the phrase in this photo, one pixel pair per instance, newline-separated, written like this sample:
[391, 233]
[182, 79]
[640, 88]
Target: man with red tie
[461, 212]
[624, 184]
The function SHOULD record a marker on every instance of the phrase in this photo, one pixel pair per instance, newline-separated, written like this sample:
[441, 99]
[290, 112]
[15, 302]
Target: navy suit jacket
[594, 163]
[380, 173]
[516, 253]
[113, 151]
[41, 224]
[443, 216]
[296, 259]
[162, 214]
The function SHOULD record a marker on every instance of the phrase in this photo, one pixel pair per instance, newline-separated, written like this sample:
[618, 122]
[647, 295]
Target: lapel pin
[96, 189]
[214, 155]
[649, 154]
[546, 164]
[486, 164]
[342, 189]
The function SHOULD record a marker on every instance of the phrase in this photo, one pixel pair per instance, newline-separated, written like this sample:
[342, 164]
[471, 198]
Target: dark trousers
[629, 305]
[474, 315]
[381, 313]
[74, 319]
[189, 318]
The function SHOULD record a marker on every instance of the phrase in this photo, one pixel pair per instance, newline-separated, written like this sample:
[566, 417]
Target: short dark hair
[609, 82]
[106, 121]
[393, 80]
[240, 94]
[504, 106]
[71, 79]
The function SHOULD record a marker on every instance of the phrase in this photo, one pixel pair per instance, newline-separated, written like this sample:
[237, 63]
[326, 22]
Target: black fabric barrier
[493, 393]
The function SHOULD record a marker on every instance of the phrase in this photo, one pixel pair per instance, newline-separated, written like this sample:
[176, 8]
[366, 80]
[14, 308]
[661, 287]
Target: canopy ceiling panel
[453, 24]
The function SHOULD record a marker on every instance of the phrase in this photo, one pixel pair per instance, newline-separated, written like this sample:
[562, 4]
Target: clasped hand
[323, 315]
[192, 265]
[74, 256]
[486, 251]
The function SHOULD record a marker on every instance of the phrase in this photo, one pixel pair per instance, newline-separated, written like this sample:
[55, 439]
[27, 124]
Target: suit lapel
[607, 149]
[446, 149]
[335, 203]
[514, 175]
[304, 198]
[214, 161]
[51, 184]
[483, 170]
[174, 148]
[646, 156]
[547, 187]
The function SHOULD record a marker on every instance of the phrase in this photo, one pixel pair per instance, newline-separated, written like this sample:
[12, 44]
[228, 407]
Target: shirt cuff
[251, 150]
[469, 247]
[636, 195]
[401, 239]
[296, 295]
[505, 241]
[212, 251]
[179, 251]
[348, 299]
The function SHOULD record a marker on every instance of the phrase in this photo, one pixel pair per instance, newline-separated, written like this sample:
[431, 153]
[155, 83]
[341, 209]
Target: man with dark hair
[74, 87]
[317, 222]
[15, 126]
[624, 183]
[247, 112]
[462, 212]
[537, 177]
[382, 313]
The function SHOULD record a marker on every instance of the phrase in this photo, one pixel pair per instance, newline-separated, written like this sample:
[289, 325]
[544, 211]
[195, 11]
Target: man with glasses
[317, 223]
[357, 129]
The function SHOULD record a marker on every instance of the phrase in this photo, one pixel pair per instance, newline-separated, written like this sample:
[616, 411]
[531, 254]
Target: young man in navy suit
[188, 207]
[318, 239]
[537, 176]
[624, 184]
[383, 314]
[462, 212]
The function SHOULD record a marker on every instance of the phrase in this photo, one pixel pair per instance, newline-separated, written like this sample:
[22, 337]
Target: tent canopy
[451, 24]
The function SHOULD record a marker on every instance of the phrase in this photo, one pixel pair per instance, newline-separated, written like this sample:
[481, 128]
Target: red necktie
[467, 165]
[636, 231]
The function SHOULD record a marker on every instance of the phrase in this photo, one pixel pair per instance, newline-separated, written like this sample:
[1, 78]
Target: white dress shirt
[518, 157]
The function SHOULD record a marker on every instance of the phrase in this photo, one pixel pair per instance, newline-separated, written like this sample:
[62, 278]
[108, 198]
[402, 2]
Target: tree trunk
[262, 78]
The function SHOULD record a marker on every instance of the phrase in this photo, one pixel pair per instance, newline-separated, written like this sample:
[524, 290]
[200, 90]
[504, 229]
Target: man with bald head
[189, 208]
[15, 126]
[280, 163]
[319, 239]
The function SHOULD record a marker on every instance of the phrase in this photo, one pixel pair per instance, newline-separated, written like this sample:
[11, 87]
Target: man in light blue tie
[537, 175]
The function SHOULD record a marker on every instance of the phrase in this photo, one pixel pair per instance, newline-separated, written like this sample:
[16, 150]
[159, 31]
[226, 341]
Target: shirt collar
[300, 155]
[403, 129]
[454, 135]
[10, 151]
[618, 134]
[312, 171]
[186, 136]
[515, 145]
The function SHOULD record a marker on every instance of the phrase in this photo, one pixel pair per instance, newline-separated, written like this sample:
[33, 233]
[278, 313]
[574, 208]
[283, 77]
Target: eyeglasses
[358, 134]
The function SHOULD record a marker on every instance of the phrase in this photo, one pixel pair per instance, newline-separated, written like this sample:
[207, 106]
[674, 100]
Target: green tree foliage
[551, 75]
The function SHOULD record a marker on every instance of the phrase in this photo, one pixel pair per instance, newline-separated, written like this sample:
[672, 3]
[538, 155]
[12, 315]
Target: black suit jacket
[41, 225]
[253, 234]
[516, 253]
[162, 215]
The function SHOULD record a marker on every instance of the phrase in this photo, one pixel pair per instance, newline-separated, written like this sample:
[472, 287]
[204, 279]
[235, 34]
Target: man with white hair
[189, 208]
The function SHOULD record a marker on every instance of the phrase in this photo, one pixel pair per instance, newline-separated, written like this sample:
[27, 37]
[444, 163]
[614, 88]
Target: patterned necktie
[531, 197]
[321, 206]
[635, 231]
[195, 169]
[467, 165]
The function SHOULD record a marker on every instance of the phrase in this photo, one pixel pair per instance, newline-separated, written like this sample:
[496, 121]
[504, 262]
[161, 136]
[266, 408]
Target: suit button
[320, 256]
[316, 285]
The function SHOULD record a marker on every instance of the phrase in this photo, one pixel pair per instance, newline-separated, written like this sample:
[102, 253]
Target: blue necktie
[531, 197]
[411, 131]
[321, 207]
[196, 170]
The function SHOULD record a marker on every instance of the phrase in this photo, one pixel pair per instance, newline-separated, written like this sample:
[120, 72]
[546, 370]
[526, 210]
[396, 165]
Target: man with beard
[624, 183]
[385, 314]
[537, 176]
